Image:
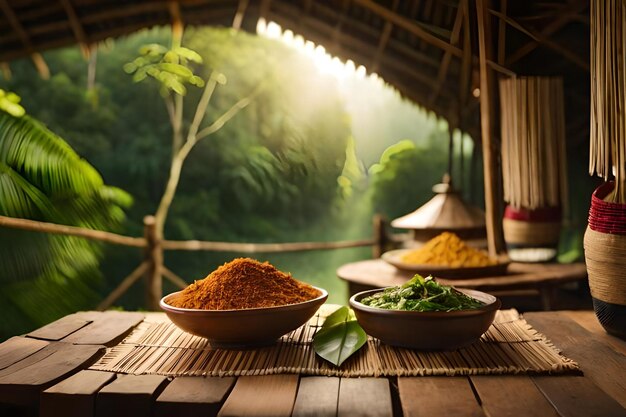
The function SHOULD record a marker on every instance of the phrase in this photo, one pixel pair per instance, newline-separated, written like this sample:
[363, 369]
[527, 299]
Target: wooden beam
[409, 25]
[502, 34]
[550, 29]
[545, 41]
[466, 63]
[359, 48]
[384, 38]
[241, 11]
[177, 20]
[76, 26]
[489, 147]
[414, 28]
[447, 57]
[36, 57]
[401, 47]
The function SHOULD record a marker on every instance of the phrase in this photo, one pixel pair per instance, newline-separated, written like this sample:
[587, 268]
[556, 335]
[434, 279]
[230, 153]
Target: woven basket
[526, 230]
[605, 255]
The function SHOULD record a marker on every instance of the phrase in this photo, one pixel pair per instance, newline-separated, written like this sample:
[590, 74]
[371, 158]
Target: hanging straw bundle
[534, 166]
[608, 94]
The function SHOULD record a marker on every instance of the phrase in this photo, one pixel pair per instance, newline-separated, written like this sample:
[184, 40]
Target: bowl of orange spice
[243, 303]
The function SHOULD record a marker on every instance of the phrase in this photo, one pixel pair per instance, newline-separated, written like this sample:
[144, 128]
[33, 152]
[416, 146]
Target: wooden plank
[577, 396]
[22, 382]
[603, 365]
[74, 396]
[269, 395]
[129, 395]
[512, 396]
[364, 397]
[438, 396]
[193, 396]
[61, 328]
[317, 397]
[107, 328]
[589, 321]
[17, 348]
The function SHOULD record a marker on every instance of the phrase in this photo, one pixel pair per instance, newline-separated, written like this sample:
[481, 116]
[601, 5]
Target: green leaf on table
[339, 337]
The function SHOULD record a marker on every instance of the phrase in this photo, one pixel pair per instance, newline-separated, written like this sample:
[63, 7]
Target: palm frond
[43, 277]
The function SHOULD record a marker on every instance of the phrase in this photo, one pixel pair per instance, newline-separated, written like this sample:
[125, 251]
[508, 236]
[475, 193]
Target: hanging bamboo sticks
[608, 94]
[534, 166]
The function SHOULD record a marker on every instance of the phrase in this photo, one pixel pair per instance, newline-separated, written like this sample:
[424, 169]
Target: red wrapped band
[604, 216]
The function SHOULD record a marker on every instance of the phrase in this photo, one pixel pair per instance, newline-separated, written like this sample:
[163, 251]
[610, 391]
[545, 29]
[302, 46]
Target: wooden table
[520, 277]
[44, 373]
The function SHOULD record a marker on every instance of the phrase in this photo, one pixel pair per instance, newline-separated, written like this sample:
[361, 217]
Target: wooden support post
[450, 149]
[154, 256]
[380, 236]
[490, 147]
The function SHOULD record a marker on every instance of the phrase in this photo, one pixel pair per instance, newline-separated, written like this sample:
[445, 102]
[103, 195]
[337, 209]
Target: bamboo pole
[123, 286]
[154, 257]
[192, 245]
[380, 237]
[173, 278]
[495, 238]
[37, 226]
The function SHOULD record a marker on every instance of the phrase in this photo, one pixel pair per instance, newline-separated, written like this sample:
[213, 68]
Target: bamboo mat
[156, 346]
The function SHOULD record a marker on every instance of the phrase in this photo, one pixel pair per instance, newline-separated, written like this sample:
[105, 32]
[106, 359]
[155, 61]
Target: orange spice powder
[244, 283]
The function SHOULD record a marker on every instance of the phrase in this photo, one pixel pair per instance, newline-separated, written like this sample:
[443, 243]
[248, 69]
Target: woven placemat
[156, 346]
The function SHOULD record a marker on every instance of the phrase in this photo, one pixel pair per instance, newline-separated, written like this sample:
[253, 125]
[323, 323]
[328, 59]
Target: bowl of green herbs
[423, 314]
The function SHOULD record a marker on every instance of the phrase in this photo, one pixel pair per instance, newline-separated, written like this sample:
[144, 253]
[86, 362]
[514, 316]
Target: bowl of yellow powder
[446, 256]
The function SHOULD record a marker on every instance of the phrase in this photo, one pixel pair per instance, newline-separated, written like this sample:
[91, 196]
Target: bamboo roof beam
[447, 57]
[550, 29]
[409, 25]
[502, 35]
[265, 8]
[545, 41]
[391, 43]
[359, 47]
[35, 56]
[384, 38]
[414, 28]
[466, 64]
[304, 11]
[240, 13]
[340, 20]
[177, 20]
[77, 27]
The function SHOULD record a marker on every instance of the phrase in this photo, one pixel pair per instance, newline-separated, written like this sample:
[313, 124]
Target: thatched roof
[427, 49]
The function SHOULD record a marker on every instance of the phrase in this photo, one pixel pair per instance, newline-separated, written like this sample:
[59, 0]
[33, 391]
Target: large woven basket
[605, 255]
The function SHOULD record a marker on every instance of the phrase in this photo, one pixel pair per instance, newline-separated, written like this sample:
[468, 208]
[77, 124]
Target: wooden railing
[152, 266]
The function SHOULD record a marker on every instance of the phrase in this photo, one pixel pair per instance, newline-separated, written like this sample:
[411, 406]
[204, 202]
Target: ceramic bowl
[431, 330]
[243, 328]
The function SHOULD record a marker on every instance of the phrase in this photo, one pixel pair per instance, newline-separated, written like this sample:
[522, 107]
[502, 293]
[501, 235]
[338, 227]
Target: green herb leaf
[339, 337]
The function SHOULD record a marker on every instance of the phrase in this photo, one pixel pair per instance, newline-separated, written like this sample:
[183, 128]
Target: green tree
[403, 179]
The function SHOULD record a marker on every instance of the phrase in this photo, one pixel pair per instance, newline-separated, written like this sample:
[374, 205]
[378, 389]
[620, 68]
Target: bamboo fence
[153, 251]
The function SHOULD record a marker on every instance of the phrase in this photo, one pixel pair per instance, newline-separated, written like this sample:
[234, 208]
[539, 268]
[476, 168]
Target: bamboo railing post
[380, 236]
[154, 257]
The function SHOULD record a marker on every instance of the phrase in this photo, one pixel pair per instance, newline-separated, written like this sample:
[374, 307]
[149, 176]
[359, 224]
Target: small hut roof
[445, 211]
[426, 49]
